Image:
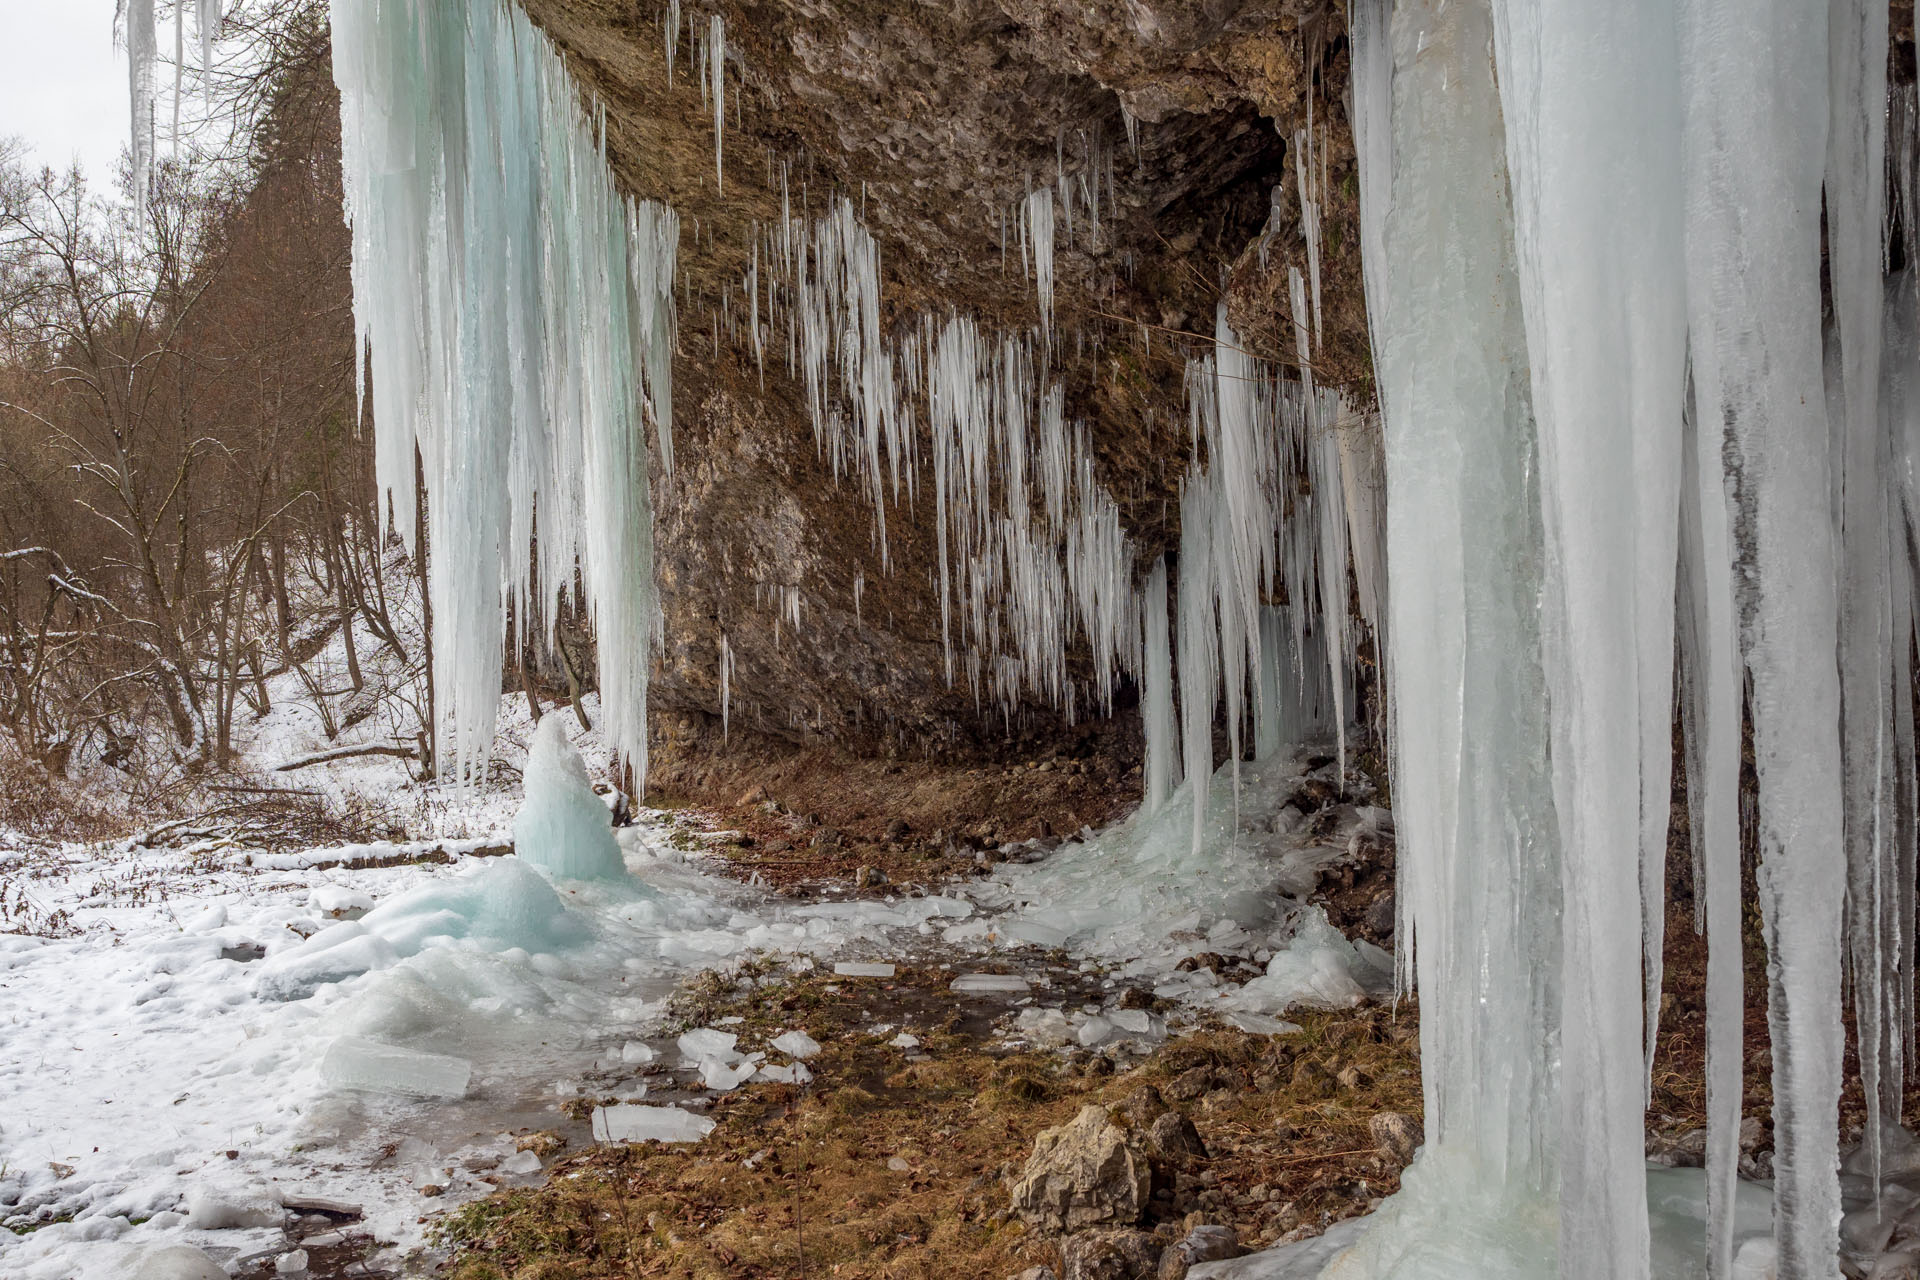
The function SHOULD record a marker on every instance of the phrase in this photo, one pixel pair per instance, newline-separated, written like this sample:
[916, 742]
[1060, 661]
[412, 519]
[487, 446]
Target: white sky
[63, 84]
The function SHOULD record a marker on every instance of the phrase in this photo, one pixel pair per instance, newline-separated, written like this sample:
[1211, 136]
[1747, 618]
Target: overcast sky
[63, 84]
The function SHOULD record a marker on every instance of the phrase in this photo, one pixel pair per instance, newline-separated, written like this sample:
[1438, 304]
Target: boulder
[1111, 1255]
[1085, 1173]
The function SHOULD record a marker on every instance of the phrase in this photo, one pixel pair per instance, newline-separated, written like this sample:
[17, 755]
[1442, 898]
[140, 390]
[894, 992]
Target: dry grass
[798, 1182]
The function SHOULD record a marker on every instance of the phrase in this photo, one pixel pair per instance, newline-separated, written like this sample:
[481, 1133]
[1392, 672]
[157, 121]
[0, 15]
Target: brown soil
[798, 1181]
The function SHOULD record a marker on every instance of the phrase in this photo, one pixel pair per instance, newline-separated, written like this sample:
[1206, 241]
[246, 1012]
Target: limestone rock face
[937, 121]
[1085, 1173]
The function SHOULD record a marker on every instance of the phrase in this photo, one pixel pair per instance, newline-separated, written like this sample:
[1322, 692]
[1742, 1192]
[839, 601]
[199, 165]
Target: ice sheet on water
[640, 1122]
[562, 826]
[352, 1062]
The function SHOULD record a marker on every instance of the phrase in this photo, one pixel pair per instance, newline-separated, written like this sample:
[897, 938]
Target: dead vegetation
[888, 1166]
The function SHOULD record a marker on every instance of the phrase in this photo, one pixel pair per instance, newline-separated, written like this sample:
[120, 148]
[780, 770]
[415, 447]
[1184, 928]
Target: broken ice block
[796, 1044]
[858, 969]
[1044, 1026]
[706, 1042]
[1095, 1032]
[1138, 1022]
[639, 1122]
[793, 1073]
[635, 1051]
[352, 1062]
[521, 1162]
[1260, 1024]
[720, 1077]
[979, 982]
[1038, 934]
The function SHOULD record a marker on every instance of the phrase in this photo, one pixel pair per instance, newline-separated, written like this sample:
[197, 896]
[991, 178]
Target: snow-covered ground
[197, 1052]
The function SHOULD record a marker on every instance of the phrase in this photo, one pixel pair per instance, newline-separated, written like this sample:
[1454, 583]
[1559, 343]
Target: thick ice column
[1755, 78]
[1156, 699]
[1855, 190]
[1199, 640]
[1590, 96]
[1479, 872]
[486, 223]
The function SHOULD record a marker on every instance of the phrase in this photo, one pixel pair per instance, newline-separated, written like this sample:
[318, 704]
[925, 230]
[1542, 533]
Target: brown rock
[1396, 1135]
[1087, 1172]
[1202, 1244]
[1142, 1107]
[1111, 1255]
[1189, 1085]
[1174, 1136]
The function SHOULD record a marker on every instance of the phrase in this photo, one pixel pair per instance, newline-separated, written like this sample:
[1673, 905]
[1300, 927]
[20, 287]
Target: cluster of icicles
[1033, 560]
[142, 36]
[519, 315]
[1592, 237]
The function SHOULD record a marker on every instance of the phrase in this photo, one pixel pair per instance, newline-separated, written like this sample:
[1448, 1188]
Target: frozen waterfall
[485, 220]
[1568, 205]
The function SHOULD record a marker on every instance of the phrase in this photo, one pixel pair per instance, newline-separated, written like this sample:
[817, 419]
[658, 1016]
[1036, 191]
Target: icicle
[717, 77]
[726, 689]
[1039, 228]
[1757, 93]
[1162, 732]
[672, 32]
[1855, 201]
[1478, 840]
[1602, 270]
[1199, 643]
[179, 68]
[142, 53]
[1309, 217]
[207, 19]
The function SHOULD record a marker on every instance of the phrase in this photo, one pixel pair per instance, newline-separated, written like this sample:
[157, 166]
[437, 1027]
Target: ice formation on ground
[562, 825]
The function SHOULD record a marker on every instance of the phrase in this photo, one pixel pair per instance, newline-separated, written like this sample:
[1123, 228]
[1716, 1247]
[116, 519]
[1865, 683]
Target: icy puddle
[247, 1058]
